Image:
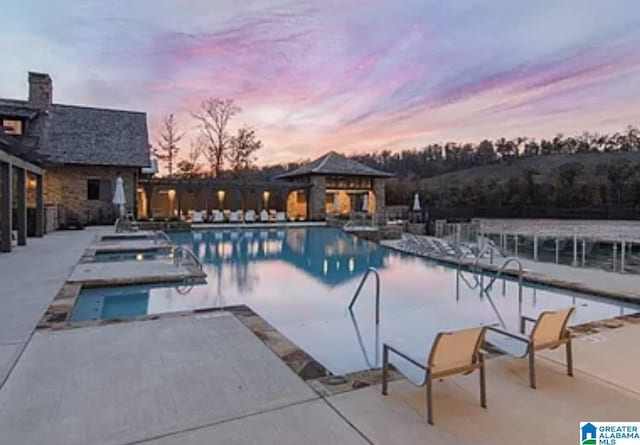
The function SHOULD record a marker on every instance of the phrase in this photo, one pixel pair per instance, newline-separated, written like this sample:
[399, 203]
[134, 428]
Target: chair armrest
[404, 356]
[509, 334]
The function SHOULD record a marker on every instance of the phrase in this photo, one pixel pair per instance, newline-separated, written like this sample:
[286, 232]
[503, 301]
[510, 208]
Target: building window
[12, 126]
[93, 189]
[301, 198]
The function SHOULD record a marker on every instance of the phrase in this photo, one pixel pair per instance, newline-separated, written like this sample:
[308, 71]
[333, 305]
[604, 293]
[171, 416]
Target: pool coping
[257, 225]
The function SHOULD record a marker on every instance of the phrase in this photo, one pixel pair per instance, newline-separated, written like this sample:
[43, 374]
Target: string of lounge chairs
[238, 216]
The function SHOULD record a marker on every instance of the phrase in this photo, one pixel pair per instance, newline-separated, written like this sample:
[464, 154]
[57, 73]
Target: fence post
[622, 256]
[615, 255]
[557, 250]
[535, 246]
[575, 248]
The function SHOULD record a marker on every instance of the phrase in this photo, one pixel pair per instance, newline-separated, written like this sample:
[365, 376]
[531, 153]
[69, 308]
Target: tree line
[215, 151]
[569, 185]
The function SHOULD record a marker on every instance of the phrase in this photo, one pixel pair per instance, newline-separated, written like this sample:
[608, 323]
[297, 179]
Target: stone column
[317, 198]
[39, 206]
[380, 194]
[5, 207]
[21, 205]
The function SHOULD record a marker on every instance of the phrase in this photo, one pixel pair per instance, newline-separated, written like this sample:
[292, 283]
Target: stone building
[86, 149]
[338, 185]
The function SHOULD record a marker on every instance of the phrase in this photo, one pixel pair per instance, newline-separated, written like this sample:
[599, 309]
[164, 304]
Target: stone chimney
[40, 90]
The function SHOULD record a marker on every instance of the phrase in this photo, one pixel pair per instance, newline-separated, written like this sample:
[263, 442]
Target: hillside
[546, 169]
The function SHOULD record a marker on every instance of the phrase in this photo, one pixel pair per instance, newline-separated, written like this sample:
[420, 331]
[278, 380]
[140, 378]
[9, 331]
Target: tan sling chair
[549, 332]
[452, 353]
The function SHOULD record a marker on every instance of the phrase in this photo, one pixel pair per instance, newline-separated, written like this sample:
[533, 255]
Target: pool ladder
[374, 271]
[180, 252]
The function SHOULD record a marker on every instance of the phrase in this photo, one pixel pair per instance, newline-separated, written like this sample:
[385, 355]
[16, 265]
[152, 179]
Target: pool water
[301, 280]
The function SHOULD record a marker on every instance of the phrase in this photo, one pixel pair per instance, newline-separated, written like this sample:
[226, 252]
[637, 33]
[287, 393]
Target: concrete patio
[30, 277]
[201, 377]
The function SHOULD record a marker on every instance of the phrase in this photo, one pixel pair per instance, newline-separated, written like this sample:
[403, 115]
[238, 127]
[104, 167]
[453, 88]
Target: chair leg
[483, 391]
[429, 401]
[569, 359]
[385, 369]
[532, 367]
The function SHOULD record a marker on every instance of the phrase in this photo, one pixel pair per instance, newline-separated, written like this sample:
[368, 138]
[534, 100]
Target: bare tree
[243, 147]
[190, 166]
[214, 116]
[168, 148]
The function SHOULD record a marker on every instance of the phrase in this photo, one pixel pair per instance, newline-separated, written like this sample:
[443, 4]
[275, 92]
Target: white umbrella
[416, 203]
[365, 203]
[336, 203]
[118, 196]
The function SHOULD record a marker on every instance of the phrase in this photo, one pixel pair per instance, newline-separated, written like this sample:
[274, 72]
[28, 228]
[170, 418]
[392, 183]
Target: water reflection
[329, 256]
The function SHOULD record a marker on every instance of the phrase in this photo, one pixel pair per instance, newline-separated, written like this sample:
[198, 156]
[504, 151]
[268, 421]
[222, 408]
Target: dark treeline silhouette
[608, 182]
[437, 159]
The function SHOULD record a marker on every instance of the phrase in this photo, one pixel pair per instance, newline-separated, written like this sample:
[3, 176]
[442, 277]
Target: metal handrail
[502, 269]
[364, 278]
[178, 251]
[160, 235]
[491, 250]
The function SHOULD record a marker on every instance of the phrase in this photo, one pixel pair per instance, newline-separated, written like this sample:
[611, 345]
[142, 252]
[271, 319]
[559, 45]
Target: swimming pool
[301, 280]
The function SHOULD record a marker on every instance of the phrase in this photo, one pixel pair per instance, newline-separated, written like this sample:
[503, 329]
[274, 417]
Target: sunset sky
[352, 75]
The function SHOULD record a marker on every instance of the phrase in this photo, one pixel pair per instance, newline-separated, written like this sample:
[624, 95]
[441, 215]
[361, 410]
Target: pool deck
[30, 277]
[582, 279]
[199, 379]
[207, 379]
[132, 272]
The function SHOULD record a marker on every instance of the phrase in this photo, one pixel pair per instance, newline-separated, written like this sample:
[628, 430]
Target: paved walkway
[30, 278]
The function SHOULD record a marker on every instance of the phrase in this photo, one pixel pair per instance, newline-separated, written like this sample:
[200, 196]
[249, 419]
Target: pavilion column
[260, 198]
[5, 207]
[179, 193]
[39, 230]
[21, 206]
[307, 195]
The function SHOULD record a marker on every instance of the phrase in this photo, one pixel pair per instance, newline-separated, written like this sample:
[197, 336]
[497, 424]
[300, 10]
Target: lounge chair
[234, 217]
[197, 217]
[218, 216]
[250, 216]
[452, 353]
[281, 217]
[264, 216]
[549, 332]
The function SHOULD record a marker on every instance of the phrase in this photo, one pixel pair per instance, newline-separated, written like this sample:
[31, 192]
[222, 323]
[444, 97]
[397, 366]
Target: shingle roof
[334, 163]
[69, 134]
[10, 144]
